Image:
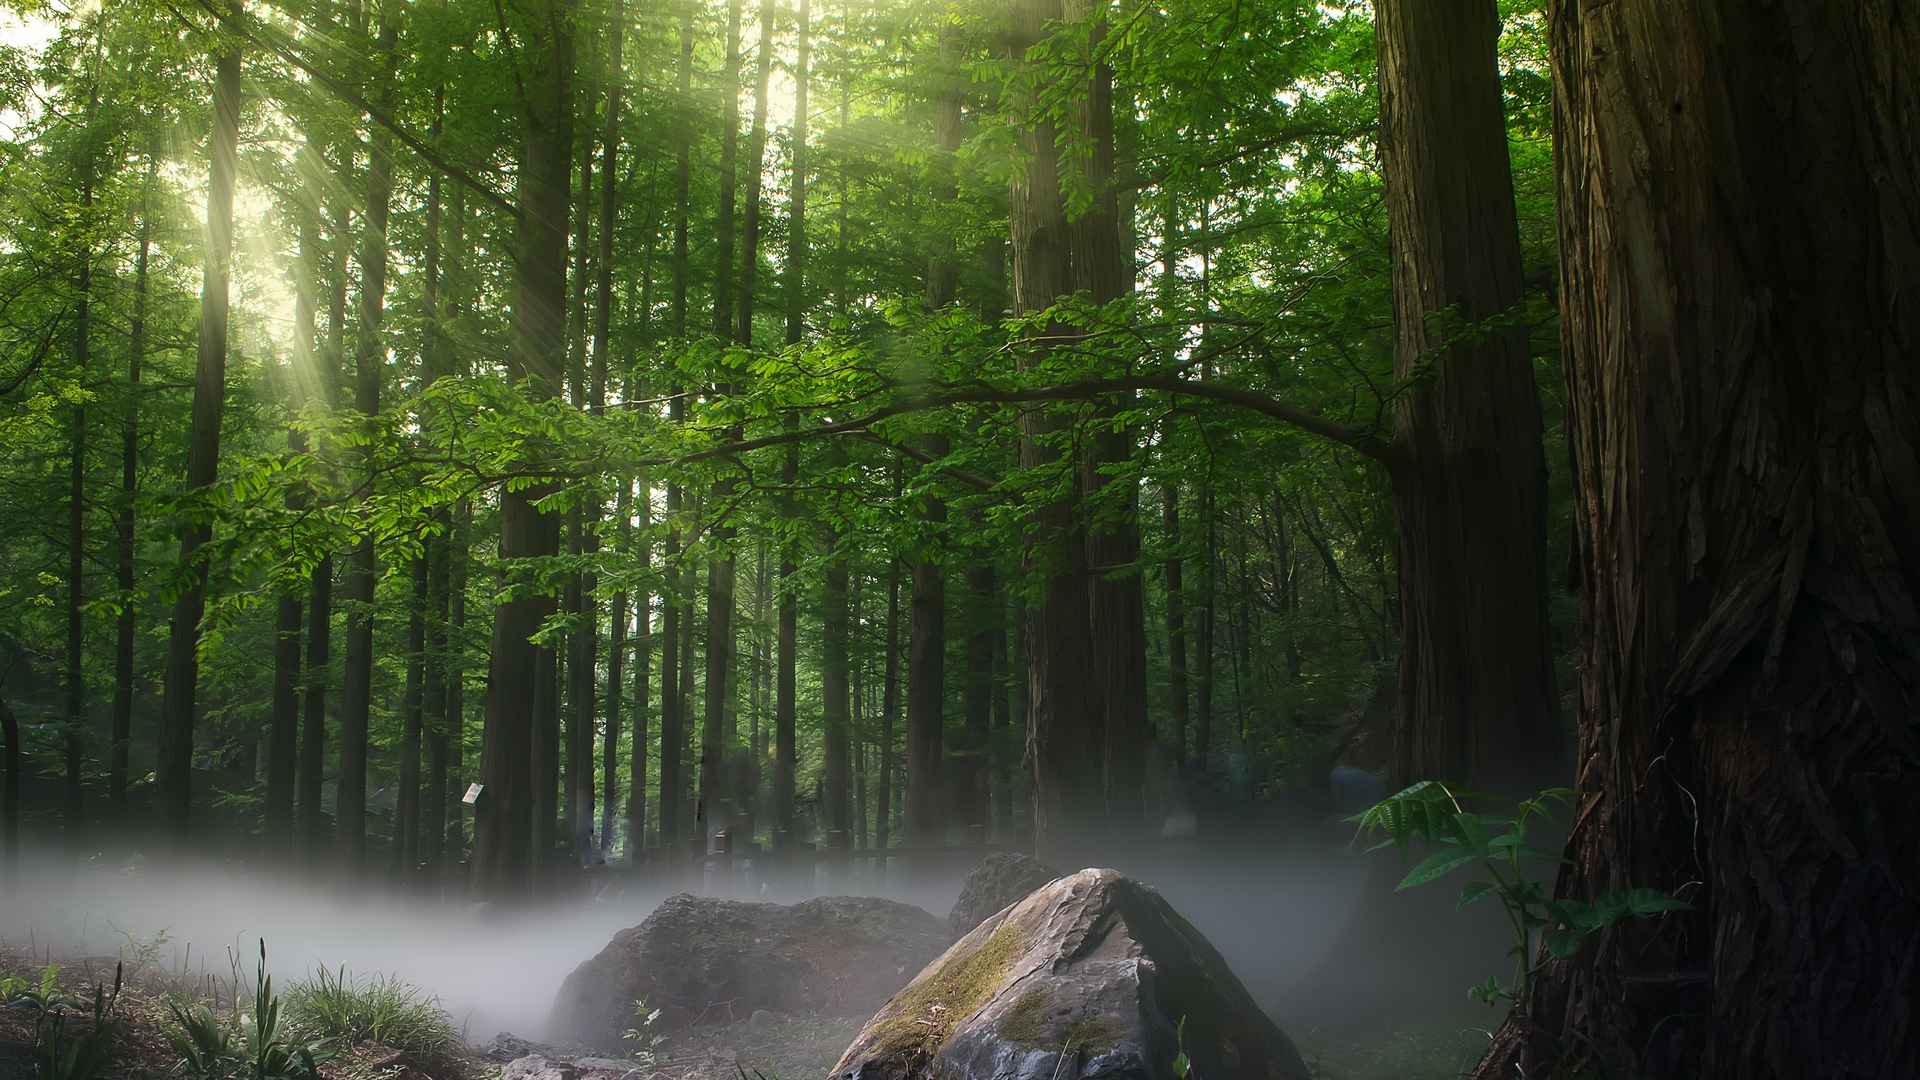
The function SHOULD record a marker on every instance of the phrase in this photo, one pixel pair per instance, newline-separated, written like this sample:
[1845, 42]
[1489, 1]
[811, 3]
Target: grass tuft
[379, 1009]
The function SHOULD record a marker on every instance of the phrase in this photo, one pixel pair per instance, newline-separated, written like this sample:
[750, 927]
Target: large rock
[1000, 879]
[701, 960]
[1088, 977]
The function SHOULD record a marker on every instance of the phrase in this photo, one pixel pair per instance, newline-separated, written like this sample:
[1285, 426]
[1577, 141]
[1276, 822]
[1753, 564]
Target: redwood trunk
[1476, 671]
[1738, 252]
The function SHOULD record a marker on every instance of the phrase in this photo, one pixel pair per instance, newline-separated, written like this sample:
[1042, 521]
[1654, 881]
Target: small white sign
[473, 794]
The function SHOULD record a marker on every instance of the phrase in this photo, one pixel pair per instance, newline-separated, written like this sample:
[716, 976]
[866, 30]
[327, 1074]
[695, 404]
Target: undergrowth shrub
[378, 1008]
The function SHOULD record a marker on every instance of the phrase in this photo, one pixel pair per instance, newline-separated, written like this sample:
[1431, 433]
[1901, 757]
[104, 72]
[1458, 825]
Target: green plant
[642, 1035]
[59, 1054]
[1182, 1064]
[207, 1050]
[380, 1009]
[1439, 817]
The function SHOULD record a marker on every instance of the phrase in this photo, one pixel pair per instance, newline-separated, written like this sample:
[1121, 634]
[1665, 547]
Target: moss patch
[923, 1015]
[1027, 1023]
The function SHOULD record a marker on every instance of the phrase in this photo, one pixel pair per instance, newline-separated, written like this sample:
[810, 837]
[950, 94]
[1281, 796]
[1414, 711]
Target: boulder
[702, 960]
[1090, 976]
[541, 1067]
[1000, 879]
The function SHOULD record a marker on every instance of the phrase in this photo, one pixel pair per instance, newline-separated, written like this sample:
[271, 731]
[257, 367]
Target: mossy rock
[1089, 976]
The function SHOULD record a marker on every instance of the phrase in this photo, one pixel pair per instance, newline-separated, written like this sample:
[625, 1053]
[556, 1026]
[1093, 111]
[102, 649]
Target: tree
[175, 757]
[1469, 476]
[1737, 368]
[504, 852]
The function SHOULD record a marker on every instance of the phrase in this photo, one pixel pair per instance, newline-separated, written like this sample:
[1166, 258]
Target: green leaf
[1474, 891]
[1436, 865]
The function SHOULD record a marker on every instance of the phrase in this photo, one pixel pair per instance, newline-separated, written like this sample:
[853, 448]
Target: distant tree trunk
[175, 759]
[974, 800]
[1476, 672]
[319, 669]
[642, 665]
[715, 745]
[672, 703]
[76, 720]
[1000, 739]
[1740, 384]
[503, 826]
[439, 562]
[457, 556]
[927, 803]
[835, 707]
[756, 155]
[1176, 624]
[356, 706]
[889, 706]
[1205, 632]
[615, 76]
[406, 811]
[10, 753]
[124, 625]
[787, 643]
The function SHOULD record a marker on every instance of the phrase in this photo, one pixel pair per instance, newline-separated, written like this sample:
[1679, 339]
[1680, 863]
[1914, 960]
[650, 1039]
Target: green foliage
[1437, 817]
[248, 1046]
[58, 1052]
[380, 1009]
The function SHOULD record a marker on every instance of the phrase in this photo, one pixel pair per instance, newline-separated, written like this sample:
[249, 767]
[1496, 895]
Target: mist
[1275, 906]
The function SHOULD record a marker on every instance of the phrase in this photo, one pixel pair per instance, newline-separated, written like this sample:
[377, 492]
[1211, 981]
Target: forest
[476, 475]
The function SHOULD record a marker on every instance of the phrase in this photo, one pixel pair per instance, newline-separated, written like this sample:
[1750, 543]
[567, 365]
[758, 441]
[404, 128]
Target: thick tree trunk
[973, 799]
[175, 759]
[642, 669]
[615, 75]
[1063, 719]
[1741, 388]
[457, 775]
[504, 851]
[1476, 672]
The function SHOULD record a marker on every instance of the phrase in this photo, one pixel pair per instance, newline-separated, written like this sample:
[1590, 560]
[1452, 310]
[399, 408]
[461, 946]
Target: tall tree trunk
[674, 612]
[1740, 386]
[715, 746]
[319, 669]
[175, 759]
[1476, 671]
[124, 625]
[457, 556]
[835, 707]
[927, 803]
[756, 161]
[1176, 736]
[1000, 744]
[356, 705]
[786, 648]
[642, 665]
[583, 632]
[973, 803]
[406, 810]
[1063, 720]
[889, 707]
[503, 826]
[1103, 268]
[76, 719]
[615, 75]
[439, 559]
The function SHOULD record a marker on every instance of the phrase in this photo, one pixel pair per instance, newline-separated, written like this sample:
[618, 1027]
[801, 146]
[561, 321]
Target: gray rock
[541, 1067]
[761, 1020]
[1087, 977]
[1000, 879]
[706, 961]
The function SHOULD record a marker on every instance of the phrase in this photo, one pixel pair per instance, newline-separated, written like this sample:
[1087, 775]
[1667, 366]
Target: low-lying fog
[1274, 914]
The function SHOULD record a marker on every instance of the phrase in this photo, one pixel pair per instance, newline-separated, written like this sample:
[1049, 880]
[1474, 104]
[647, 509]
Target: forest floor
[777, 1048]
